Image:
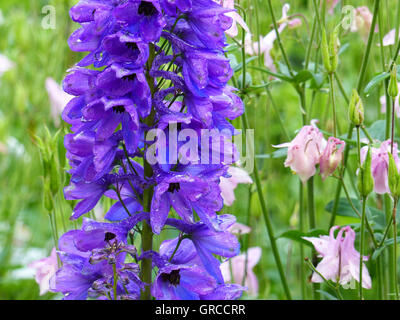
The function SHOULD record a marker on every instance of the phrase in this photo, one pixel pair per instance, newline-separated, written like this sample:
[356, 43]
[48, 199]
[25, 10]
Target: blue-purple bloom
[157, 63]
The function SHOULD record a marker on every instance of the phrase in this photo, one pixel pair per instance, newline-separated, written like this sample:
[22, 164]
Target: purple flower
[181, 282]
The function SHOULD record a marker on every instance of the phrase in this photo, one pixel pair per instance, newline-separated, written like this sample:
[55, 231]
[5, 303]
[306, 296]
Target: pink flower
[45, 269]
[238, 266]
[389, 38]
[58, 99]
[228, 185]
[304, 152]
[233, 31]
[382, 100]
[331, 157]
[5, 64]
[331, 4]
[238, 229]
[362, 22]
[265, 45]
[380, 165]
[340, 260]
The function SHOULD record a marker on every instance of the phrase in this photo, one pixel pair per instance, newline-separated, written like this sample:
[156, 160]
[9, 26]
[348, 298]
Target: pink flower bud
[331, 157]
[295, 23]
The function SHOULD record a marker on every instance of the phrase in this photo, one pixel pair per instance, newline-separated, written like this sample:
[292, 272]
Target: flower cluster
[308, 149]
[157, 65]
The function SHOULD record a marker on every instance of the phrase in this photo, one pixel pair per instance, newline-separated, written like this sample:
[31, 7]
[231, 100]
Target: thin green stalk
[147, 232]
[115, 276]
[278, 39]
[333, 104]
[395, 284]
[389, 233]
[257, 180]
[336, 288]
[312, 225]
[360, 287]
[359, 86]
[267, 219]
[302, 229]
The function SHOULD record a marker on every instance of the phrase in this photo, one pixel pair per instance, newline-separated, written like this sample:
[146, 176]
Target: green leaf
[302, 76]
[280, 153]
[375, 216]
[327, 295]
[388, 242]
[240, 65]
[296, 235]
[375, 82]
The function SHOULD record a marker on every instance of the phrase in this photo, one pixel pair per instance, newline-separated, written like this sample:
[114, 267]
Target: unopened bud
[393, 89]
[356, 109]
[330, 52]
[365, 178]
[394, 177]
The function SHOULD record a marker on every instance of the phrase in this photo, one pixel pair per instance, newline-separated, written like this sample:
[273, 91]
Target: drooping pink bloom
[228, 185]
[362, 22]
[5, 64]
[238, 267]
[340, 260]
[331, 157]
[265, 44]
[233, 31]
[45, 269]
[380, 165]
[239, 229]
[382, 100]
[58, 99]
[304, 152]
[331, 5]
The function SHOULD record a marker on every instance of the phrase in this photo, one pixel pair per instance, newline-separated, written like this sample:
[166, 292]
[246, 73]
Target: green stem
[312, 225]
[359, 85]
[115, 275]
[278, 39]
[267, 219]
[360, 287]
[147, 232]
[395, 284]
[333, 104]
[302, 229]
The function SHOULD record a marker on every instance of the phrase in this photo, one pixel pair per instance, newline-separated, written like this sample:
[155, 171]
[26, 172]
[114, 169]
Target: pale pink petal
[45, 269]
[238, 228]
[58, 99]
[5, 64]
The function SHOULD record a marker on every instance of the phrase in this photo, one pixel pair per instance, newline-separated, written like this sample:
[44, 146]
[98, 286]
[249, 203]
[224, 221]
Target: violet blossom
[160, 65]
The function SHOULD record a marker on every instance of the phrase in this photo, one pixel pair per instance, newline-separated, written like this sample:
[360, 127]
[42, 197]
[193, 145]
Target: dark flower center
[131, 45]
[119, 109]
[147, 8]
[109, 236]
[173, 278]
[174, 187]
[130, 77]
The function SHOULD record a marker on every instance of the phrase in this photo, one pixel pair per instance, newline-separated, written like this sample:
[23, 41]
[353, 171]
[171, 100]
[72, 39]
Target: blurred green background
[25, 109]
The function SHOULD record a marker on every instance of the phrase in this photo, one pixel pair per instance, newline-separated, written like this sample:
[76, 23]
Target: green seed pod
[48, 203]
[334, 49]
[393, 89]
[325, 52]
[394, 177]
[356, 109]
[365, 179]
